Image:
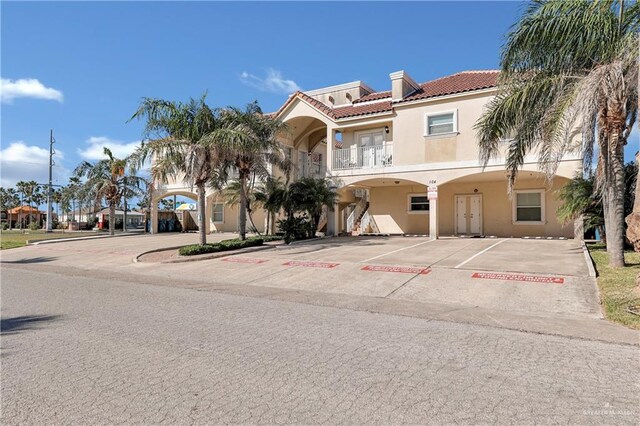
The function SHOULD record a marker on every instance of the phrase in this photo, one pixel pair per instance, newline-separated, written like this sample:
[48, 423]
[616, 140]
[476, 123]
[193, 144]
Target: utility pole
[51, 142]
[124, 211]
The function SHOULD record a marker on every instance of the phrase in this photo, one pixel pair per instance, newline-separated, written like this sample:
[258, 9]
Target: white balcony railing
[362, 157]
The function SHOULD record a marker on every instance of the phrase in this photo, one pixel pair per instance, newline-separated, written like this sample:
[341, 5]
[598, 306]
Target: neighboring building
[81, 215]
[22, 216]
[385, 149]
[134, 218]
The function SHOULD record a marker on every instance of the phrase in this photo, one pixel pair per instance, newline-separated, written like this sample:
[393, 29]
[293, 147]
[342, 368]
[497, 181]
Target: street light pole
[124, 212]
[51, 142]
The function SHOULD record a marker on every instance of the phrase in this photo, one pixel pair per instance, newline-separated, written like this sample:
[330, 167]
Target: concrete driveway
[533, 277]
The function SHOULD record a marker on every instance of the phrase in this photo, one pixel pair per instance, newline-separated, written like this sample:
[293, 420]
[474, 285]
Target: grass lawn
[617, 286]
[13, 239]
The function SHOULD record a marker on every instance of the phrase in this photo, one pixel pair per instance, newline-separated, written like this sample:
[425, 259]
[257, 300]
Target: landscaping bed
[618, 291]
[210, 251]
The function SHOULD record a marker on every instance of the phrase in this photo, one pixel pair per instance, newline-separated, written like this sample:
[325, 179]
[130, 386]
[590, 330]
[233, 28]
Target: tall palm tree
[271, 195]
[30, 192]
[8, 200]
[232, 193]
[178, 147]
[569, 64]
[313, 195]
[247, 142]
[105, 180]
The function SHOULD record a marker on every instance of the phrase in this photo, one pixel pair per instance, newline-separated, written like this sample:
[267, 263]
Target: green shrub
[4, 226]
[225, 245]
[267, 238]
[34, 226]
[296, 228]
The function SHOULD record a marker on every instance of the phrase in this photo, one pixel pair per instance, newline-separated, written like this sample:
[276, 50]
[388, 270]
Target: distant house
[134, 218]
[22, 216]
[79, 215]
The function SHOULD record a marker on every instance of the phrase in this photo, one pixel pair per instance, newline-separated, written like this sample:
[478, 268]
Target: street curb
[593, 274]
[93, 237]
[136, 258]
[217, 255]
[587, 258]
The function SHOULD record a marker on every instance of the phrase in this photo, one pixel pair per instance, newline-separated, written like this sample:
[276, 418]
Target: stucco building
[406, 161]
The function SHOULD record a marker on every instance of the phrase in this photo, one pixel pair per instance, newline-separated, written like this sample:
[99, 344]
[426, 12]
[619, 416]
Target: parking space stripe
[518, 277]
[400, 269]
[478, 254]
[395, 251]
[326, 265]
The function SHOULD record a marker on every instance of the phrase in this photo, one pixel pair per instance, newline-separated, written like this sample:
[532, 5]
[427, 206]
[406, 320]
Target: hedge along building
[385, 150]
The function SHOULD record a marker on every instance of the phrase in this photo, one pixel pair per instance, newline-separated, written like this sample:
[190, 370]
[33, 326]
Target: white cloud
[95, 150]
[20, 161]
[27, 88]
[272, 82]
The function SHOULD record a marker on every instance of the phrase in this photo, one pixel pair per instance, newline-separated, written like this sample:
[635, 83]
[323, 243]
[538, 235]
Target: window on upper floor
[441, 123]
[528, 207]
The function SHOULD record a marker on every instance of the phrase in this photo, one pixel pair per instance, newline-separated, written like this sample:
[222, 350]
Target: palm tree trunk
[112, 218]
[243, 208]
[613, 200]
[202, 231]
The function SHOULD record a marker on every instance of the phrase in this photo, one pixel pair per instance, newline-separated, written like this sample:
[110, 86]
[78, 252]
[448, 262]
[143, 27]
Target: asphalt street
[78, 349]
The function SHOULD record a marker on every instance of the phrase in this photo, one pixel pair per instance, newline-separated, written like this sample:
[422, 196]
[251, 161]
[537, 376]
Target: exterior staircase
[358, 225]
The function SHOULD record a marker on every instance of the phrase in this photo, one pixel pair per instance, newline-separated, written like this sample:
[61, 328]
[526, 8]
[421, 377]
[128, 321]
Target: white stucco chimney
[402, 85]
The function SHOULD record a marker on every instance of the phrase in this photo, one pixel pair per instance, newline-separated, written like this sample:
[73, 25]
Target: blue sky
[82, 67]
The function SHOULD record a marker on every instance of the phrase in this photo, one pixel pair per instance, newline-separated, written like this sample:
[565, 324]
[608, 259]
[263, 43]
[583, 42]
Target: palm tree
[313, 195]
[56, 197]
[567, 64]
[579, 199]
[179, 147]
[30, 191]
[8, 200]
[271, 195]
[247, 142]
[105, 179]
[233, 195]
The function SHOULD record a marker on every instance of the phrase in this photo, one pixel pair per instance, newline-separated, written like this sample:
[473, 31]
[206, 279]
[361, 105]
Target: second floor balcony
[363, 157]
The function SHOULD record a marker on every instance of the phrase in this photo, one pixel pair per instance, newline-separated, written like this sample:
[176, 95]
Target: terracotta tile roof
[354, 110]
[373, 96]
[465, 81]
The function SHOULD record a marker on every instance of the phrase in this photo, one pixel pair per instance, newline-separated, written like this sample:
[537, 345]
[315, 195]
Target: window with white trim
[418, 203]
[217, 212]
[528, 206]
[441, 123]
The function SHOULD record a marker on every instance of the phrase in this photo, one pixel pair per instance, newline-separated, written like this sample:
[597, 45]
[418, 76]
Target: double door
[468, 214]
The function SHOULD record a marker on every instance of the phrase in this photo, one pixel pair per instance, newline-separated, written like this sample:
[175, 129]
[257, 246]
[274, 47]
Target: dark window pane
[527, 214]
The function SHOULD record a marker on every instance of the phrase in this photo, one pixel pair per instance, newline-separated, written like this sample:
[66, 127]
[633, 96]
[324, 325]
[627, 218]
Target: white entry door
[468, 214]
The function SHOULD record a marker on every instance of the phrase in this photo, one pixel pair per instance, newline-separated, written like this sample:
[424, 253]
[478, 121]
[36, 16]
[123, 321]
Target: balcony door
[371, 148]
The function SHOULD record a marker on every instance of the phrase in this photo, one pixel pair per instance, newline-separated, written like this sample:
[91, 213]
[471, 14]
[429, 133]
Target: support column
[154, 214]
[333, 221]
[330, 146]
[433, 219]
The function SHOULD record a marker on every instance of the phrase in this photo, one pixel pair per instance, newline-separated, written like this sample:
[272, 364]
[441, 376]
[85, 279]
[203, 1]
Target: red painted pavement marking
[243, 260]
[401, 269]
[326, 265]
[517, 277]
